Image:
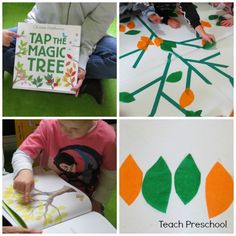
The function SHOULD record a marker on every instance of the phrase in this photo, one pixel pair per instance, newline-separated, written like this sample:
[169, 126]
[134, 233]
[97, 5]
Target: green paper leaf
[209, 45]
[170, 43]
[213, 17]
[125, 20]
[221, 18]
[174, 77]
[194, 113]
[126, 97]
[166, 47]
[156, 186]
[133, 32]
[187, 179]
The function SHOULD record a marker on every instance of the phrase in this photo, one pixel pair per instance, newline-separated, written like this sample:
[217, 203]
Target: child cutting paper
[165, 10]
[82, 152]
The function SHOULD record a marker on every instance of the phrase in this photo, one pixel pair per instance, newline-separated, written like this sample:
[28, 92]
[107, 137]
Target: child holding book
[82, 152]
[166, 10]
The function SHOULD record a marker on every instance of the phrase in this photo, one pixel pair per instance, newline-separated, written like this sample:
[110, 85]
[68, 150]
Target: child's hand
[24, 183]
[173, 23]
[7, 37]
[81, 77]
[227, 23]
[155, 19]
[19, 230]
[97, 206]
[209, 37]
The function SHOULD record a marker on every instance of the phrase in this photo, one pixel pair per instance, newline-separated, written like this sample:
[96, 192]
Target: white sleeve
[106, 185]
[21, 161]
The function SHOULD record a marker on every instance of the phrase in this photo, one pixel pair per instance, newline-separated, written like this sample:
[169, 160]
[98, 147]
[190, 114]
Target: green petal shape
[170, 43]
[157, 185]
[194, 113]
[133, 32]
[125, 20]
[209, 45]
[213, 17]
[126, 97]
[174, 77]
[166, 47]
[187, 179]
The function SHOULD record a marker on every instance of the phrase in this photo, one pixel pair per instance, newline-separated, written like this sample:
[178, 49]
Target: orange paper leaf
[130, 180]
[203, 42]
[131, 25]
[219, 190]
[142, 45]
[158, 41]
[147, 40]
[205, 24]
[186, 98]
[122, 28]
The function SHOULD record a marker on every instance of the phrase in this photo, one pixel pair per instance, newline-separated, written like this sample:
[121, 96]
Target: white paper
[208, 141]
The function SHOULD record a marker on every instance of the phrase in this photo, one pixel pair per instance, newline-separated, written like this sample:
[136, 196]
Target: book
[55, 206]
[46, 57]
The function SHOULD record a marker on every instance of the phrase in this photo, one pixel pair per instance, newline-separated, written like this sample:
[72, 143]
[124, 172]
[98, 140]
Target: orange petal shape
[142, 45]
[205, 24]
[131, 25]
[186, 98]
[147, 40]
[203, 42]
[122, 28]
[158, 41]
[219, 190]
[130, 180]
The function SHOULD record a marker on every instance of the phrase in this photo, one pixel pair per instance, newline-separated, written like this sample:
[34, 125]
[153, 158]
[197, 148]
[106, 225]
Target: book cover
[46, 57]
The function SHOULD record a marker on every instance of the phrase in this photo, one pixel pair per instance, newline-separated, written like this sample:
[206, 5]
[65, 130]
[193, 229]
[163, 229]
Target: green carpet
[31, 103]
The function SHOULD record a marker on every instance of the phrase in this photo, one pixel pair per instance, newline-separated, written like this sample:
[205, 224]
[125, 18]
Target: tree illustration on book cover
[46, 57]
[165, 71]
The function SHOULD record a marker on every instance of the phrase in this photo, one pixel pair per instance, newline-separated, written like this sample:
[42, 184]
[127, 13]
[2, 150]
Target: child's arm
[23, 174]
[192, 17]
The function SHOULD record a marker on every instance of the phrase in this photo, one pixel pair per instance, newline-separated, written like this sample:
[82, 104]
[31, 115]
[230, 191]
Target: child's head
[76, 128]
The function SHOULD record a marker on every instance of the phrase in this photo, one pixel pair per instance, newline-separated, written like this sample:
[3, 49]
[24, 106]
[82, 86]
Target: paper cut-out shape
[125, 20]
[187, 179]
[213, 17]
[158, 41]
[174, 77]
[157, 185]
[130, 180]
[122, 28]
[126, 97]
[131, 25]
[205, 24]
[186, 98]
[194, 113]
[133, 32]
[219, 190]
[209, 45]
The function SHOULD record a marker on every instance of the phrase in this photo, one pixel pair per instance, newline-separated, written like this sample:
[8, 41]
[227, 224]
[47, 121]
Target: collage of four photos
[117, 117]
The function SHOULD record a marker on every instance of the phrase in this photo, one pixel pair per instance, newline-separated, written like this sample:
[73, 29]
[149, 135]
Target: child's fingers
[13, 34]
[28, 189]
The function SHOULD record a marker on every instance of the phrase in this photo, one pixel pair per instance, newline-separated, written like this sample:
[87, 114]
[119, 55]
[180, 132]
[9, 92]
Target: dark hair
[63, 157]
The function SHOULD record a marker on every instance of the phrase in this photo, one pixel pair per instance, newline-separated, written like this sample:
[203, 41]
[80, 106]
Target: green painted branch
[207, 63]
[146, 86]
[190, 40]
[129, 53]
[188, 79]
[211, 56]
[147, 27]
[141, 54]
[193, 68]
[159, 92]
[231, 79]
[189, 45]
[174, 103]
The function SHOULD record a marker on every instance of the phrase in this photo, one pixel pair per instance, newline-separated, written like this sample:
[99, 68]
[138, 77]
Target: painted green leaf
[213, 17]
[166, 47]
[209, 45]
[125, 20]
[187, 179]
[194, 113]
[218, 23]
[156, 186]
[174, 77]
[170, 43]
[133, 32]
[126, 97]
